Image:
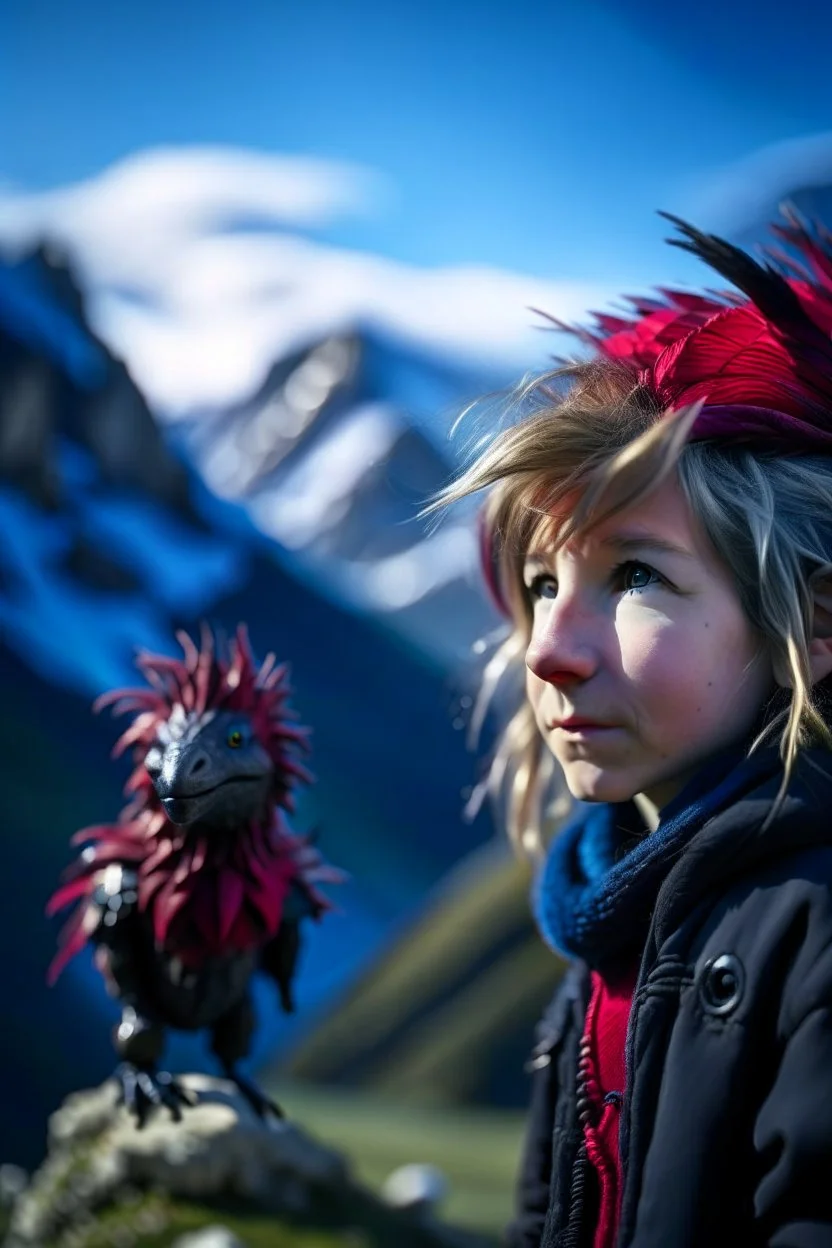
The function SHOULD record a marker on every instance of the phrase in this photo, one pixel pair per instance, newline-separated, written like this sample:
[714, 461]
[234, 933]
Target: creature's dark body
[157, 983]
[200, 885]
[190, 1000]
[187, 1000]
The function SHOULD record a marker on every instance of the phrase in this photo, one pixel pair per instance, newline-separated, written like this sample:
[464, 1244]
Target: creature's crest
[202, 682]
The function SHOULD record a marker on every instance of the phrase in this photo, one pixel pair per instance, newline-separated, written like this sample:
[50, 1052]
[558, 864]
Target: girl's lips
[581, 727]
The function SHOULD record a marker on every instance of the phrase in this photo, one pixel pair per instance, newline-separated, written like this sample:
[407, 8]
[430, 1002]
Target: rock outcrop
[219, 1177]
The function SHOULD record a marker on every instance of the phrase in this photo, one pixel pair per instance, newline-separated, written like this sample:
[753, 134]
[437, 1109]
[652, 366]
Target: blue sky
[537, 136]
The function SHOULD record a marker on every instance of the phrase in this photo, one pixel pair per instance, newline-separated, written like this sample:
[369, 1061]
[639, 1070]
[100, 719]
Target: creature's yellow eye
[235, 739]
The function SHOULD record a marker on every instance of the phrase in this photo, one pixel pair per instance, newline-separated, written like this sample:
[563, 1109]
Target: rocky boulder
[219, 1178]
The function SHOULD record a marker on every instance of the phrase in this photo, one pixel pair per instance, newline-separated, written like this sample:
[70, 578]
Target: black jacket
[726, 1127]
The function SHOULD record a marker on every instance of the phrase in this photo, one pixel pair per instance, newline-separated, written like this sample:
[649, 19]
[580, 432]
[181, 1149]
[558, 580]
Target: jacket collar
[742, 838]
[601, 880]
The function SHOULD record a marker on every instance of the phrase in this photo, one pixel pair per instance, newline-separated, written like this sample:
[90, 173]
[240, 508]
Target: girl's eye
[235, 739]
[635, 576]
[542, 586]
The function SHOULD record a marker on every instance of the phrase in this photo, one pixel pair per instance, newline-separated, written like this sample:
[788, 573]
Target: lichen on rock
[106, 1183]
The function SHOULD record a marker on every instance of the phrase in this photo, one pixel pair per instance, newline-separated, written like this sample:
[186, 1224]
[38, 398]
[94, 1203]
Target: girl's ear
[820, 647]
[820, 658]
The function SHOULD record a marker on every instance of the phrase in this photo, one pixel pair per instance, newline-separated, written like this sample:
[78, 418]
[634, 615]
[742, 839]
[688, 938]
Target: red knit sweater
[602, 1072]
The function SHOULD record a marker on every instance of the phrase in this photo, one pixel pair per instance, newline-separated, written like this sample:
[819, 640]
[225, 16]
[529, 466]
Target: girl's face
[641, 663]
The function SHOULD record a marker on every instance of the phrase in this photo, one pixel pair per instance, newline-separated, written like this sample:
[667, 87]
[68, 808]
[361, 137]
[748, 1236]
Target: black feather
[767, 289]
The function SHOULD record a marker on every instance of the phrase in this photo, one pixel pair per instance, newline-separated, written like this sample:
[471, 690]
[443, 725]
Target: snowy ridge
[312, 385]
[200, 309]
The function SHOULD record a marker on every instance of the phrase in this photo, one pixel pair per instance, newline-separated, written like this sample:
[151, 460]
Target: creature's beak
[197, 783]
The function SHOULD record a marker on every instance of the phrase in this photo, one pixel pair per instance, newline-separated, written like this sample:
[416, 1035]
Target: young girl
[659, 532]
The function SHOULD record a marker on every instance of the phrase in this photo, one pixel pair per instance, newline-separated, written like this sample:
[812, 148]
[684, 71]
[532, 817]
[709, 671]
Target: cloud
[200, 304]
[746, 193]
[165, 196]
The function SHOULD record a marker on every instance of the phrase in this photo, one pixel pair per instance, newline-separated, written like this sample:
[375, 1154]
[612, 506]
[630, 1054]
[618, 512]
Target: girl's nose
[560, 651]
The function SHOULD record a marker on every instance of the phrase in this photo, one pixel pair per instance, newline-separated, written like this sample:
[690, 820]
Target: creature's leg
[138, 1039]
[231, 1041]
[139, 1043]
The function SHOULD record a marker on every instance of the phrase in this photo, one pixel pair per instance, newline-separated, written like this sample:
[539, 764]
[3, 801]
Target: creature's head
[213, 740]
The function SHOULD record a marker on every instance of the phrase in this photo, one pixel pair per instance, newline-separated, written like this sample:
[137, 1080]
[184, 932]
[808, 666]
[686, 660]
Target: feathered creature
[761, 360]
[200, 882]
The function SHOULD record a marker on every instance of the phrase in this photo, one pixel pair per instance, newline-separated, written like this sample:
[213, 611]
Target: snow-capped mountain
[315, 386]
[201, 271]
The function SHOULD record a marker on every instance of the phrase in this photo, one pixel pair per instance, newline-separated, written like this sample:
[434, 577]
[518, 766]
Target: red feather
[72, 939]
[69, 892]
[230, 894]
[737, 358]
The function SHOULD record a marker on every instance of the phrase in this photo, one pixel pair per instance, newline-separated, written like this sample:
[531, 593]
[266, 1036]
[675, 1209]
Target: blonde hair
[589, 429]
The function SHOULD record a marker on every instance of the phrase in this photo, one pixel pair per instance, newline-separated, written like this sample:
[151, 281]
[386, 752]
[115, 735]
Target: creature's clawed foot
[261, 1104]
[142, 1090]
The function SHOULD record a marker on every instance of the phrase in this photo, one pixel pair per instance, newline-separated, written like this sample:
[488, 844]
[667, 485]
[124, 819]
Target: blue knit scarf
[598, 886]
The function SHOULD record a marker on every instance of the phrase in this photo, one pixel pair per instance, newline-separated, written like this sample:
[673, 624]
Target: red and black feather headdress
[760, 361]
